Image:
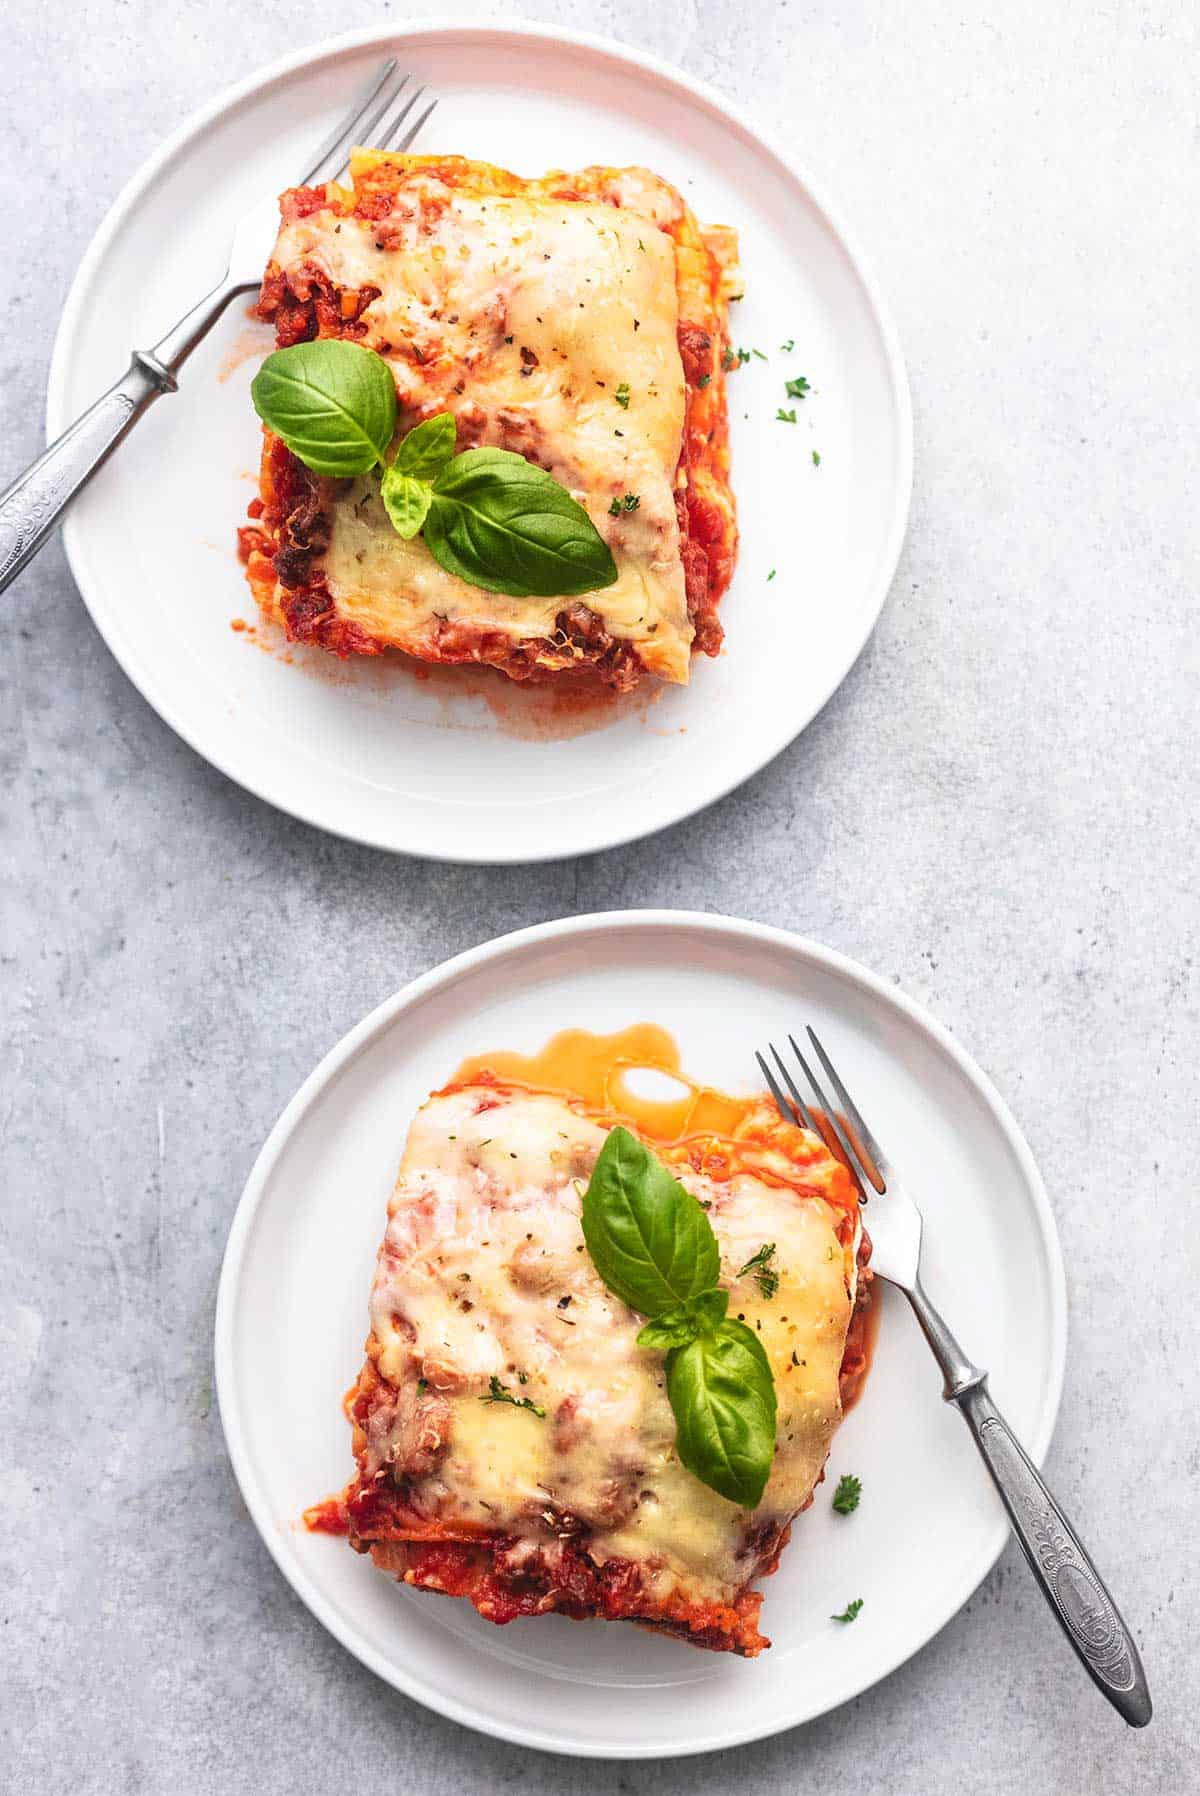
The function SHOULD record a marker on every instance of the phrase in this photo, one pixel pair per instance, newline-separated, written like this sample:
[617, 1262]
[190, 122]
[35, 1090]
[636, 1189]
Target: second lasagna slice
[578, 321]
[515, 1443]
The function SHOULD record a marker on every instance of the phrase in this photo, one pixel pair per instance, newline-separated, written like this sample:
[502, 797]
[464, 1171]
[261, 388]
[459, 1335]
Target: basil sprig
[333, 403]
[654, 1247]
[405, 486]
[497, 521]
[489, 517]
[724, 1403]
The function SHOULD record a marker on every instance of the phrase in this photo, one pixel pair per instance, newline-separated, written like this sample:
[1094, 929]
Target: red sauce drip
[862, 1337]
[327, 1517]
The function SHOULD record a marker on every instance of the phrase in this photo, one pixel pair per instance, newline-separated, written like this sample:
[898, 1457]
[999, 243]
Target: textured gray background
[997, 809]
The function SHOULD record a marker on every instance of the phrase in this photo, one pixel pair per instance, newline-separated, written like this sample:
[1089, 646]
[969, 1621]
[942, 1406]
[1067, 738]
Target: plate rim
[265, 787]
[446, 974]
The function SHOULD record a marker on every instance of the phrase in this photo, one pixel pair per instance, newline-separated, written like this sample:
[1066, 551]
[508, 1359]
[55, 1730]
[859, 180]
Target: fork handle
[1069, 1581]
[36, 500]
[1068, 1578]
[33, 504]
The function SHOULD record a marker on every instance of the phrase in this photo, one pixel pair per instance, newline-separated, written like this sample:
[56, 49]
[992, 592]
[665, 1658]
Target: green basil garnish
[654, 1247]
[677, 1327]
[649, 1239]
[489, 517]
[425, 451]
[333, 403]
[723, 1399]
[405, 500]
[497, 521]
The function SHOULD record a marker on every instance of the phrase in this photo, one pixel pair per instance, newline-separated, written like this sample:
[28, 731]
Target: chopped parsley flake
[798, 388]
[771, 575]
[845, 1497]
[498, 1394]
[622, 395]
[758, 353]
[422, 1386]
[508, 339]
[787, 348]
[765, 1276]
[816, 458]
[629, 503]
[850, 1611]
[782, 417]
[704, 380]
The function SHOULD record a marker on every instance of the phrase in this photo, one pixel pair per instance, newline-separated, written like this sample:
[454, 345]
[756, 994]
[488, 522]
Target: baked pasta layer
[580, 1504]
[578, 320]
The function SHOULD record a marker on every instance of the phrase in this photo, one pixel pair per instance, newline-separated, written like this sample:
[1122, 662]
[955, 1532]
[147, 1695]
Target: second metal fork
[36, 500]
[1068, 1579]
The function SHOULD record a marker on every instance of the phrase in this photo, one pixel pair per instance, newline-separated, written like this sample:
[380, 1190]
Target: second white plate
[464, 766]
[292, 1318]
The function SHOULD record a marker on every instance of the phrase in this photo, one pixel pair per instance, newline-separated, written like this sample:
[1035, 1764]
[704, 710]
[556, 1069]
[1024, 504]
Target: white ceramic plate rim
[124, 648]
[450, 973]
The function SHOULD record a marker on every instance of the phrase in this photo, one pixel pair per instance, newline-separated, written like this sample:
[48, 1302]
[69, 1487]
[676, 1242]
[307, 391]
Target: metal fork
[33, 504]
[1069, 1581]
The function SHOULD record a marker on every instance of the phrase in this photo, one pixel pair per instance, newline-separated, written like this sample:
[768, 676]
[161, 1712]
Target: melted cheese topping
[525, 316]
[483, 1274]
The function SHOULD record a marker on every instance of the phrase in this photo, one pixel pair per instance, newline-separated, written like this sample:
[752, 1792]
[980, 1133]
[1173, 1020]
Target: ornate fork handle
[1070, 1582]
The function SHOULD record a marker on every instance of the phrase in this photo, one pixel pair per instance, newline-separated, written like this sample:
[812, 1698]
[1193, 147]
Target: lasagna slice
[514, 1444]
[580, 321]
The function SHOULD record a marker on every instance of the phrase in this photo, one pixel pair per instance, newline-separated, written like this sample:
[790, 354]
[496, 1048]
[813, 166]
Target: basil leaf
[723, 1399]
[425, 451]
[406, 500]
[709, 1309]
[678, 1327]
[498, 522]
[333, 403]
[649, 1239]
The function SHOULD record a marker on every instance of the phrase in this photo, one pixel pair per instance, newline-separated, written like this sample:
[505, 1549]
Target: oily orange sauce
[595, 1069]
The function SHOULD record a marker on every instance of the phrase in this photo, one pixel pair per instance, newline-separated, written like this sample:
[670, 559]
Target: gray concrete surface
[997, 810]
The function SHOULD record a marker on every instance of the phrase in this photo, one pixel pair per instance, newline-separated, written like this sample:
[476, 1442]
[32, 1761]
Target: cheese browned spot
[483, 1276]
[524, 308]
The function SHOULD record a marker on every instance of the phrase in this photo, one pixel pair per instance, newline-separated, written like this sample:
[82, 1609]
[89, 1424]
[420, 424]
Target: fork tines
[858, 1146]
[377, 116]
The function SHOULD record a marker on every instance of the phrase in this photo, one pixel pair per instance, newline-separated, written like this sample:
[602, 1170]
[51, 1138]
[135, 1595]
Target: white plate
[291, 1319]
[459, 767]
